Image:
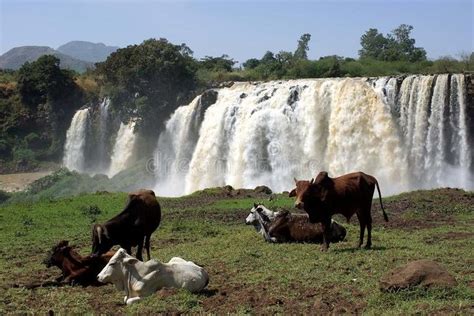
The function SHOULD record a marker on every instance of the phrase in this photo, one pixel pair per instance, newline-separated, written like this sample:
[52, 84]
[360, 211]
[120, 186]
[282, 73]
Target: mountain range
[75, 55]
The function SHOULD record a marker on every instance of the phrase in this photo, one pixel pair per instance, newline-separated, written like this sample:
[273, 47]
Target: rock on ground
[423, 273]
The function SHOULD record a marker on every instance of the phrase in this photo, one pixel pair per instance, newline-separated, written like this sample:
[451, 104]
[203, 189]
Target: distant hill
[15, 57]
[91, 52]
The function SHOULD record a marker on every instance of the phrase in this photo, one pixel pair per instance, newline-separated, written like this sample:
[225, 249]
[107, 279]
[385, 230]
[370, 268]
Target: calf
[75, 268]
[139, 279]
[135, 224]
[286, 227]
[348, 194]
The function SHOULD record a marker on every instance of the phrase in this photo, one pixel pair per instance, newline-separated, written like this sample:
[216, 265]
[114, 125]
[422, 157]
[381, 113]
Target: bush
[4, 196]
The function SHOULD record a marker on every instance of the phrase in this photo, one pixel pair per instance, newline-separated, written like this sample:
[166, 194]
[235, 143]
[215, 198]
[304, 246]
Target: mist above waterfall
[409, 133]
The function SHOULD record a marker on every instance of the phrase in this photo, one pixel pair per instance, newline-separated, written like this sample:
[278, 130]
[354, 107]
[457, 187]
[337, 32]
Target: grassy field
[247, 274]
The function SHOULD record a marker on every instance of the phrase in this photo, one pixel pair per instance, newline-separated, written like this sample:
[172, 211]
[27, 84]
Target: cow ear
[63, 243]
[130, 261]
[292, 193]
[322, 178]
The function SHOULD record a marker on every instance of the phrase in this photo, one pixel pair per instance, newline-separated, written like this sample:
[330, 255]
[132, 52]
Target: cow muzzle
[299, 205]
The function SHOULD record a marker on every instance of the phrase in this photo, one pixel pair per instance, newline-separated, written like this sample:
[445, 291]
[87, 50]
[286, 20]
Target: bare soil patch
[19, 181]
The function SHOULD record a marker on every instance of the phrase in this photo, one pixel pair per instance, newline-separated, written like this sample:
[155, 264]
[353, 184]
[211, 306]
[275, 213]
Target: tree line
[148, 81]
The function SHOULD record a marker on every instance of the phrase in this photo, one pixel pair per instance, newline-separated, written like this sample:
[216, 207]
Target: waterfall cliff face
[76, 136]
[408, 132]
[123, 149]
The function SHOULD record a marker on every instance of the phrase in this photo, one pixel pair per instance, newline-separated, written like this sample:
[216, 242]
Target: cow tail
[385, 217]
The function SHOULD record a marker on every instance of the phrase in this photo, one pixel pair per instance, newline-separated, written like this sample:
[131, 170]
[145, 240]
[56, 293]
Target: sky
[240, 29]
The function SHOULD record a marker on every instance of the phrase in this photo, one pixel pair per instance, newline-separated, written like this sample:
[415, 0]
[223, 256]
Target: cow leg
[326, 225]
[128, 249]
[369, 233]
[133, 300]
[140, 250]
[362, 230]
[147, 245]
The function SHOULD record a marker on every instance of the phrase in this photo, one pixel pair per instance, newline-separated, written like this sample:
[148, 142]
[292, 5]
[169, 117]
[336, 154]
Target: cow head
[301, 187]
[101, 242]
[259, 210]
[113, 272]
[57, 254]
[312, 196]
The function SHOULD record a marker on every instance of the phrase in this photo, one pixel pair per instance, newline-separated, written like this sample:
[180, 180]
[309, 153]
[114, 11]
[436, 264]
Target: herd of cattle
[320, 198]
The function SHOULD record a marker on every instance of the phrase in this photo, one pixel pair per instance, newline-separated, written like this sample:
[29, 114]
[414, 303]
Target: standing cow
[348, 194]
[135, 224]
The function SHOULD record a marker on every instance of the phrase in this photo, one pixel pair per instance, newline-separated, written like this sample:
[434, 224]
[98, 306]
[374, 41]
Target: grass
[247, 274]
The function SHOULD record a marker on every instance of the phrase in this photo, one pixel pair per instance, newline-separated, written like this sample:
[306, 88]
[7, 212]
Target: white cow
[139, 279]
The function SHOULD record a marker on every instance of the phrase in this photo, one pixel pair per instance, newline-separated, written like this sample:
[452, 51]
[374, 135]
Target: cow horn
[296, 181]
[255, 204]
[312, 181]
[99, 233]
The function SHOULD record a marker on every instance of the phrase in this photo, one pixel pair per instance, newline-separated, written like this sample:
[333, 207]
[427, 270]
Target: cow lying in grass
[139, 279]
[286, 227]
[75, 268]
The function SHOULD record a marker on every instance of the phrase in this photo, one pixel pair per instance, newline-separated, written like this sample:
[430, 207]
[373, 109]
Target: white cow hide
[139, 279]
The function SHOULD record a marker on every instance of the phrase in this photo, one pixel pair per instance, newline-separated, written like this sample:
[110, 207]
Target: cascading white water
[176, 146]
[408, 132]
[103, 159]
[123, 149]
[76, 136]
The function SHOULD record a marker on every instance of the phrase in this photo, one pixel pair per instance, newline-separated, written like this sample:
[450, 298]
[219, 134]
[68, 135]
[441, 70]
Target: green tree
[301, 51]
[401, 37]
[223, 63]
[147, 82]
[397, 45]
[51, 97]
[251, 63]
[373, 44]
[42, 81]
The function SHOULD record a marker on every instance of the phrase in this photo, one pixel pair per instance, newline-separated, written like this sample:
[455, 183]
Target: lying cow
[135, 224]
[75, 268]
[348, 194]
[261, 218]
[286, 227]
[139, 279]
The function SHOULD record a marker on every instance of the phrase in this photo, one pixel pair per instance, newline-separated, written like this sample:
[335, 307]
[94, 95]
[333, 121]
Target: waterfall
[76, 136]
[103, 159]
[123, 149]
[176, 146]
[409, 132]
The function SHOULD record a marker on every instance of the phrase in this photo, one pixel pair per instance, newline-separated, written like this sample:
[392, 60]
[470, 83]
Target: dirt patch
[19, 181]
[448, 236]
[423, 209]
[262, 298]
[208, 196]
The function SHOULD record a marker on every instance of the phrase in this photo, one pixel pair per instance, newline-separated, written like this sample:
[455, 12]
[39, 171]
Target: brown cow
[135, 224]
[75, 268]
[287, 227]
[348, 194]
